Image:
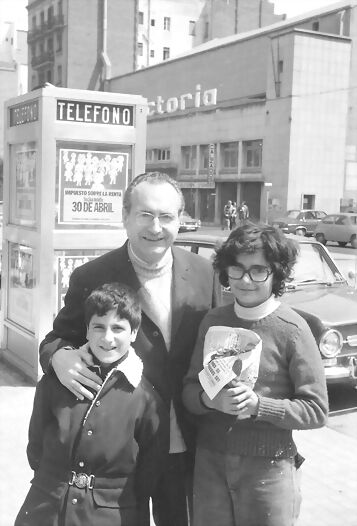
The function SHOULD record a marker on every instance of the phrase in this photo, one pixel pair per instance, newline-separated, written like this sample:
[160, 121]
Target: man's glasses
[257, 273]
[146, 219]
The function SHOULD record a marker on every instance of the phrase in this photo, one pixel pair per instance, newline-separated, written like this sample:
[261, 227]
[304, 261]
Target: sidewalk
[329, 474]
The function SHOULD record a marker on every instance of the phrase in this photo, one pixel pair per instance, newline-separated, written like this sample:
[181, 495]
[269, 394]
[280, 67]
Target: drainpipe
[104, 55]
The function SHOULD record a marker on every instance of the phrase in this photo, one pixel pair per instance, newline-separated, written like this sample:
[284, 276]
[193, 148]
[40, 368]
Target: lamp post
[267, 187]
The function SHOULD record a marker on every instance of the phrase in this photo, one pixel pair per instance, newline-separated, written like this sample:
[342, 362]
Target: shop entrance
[228, 192]
[251, 194]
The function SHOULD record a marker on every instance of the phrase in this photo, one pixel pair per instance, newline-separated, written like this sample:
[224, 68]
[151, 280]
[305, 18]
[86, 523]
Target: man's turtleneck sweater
[155, 295]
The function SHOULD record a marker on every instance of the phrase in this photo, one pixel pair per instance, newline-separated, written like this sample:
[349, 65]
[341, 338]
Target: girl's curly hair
[280, 252]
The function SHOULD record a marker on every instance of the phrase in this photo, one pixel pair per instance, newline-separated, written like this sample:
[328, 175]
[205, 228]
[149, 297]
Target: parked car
[338, 227]
[188, 224]
[299, 222]
[319, 293]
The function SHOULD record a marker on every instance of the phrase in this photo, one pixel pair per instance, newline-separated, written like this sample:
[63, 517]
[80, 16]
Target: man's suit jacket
[195, 290]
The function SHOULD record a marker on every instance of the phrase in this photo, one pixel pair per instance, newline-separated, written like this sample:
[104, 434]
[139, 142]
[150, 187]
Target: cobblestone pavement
[329, 474]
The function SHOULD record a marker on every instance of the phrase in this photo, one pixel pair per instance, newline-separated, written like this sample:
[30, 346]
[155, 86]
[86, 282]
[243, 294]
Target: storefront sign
[91, 186]
[196, 184]
[182, 102]
[211, 162]
[95, 113]
[24, 113]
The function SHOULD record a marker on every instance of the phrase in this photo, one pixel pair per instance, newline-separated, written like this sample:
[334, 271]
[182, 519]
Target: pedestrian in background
[94, 461]
[243, 213]
[176, 288]
[233, 218]
[246, 460]
[227, 214]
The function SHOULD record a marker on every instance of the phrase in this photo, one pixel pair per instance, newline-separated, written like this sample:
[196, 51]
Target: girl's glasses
[257, 273]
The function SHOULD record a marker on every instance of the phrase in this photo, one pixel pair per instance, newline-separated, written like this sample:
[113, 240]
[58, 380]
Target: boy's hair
[114, 296]
[279, 251]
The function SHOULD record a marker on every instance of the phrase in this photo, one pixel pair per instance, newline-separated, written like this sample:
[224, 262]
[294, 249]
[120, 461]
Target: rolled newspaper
[229, 353]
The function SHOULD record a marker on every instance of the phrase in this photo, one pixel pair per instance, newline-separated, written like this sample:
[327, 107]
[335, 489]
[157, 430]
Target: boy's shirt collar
[131, 366]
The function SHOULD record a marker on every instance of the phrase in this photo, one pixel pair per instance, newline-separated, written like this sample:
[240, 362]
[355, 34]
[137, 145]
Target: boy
[94, 459]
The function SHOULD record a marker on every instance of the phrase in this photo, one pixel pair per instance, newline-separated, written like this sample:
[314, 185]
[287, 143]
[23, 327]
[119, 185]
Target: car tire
[300, 232]
[353, 241]
[342, 243]
[321, 239]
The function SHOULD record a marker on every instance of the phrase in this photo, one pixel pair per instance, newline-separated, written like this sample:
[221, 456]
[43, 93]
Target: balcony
[56, 22]
[43, 59]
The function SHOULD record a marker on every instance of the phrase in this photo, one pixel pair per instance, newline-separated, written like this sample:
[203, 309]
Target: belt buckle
[82, 480]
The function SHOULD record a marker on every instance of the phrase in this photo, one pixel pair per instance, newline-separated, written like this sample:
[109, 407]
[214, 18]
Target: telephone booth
[69, 155]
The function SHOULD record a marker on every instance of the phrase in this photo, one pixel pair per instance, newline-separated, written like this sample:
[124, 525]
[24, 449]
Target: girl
[246, 468]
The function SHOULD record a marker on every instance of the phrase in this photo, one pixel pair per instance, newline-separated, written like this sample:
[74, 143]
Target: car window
[329, 220]
[309, 215]
[293, 214]
[319, 214]
[342, 220]
[353, 220]
[313, 265]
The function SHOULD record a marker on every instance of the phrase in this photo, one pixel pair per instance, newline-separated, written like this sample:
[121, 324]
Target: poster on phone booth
[91, 186]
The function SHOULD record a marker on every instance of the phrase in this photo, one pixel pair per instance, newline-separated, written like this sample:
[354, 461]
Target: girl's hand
[240, 400]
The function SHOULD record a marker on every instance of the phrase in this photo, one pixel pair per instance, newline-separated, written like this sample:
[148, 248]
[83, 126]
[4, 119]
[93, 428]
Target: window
[206, 31]
[158, 154]
[41, 78]
[188, 157]
[152, 53]
[152, 22]
[59, 7]
[33, 50]
[140, 49]
[308, 201]
[59, 75]
[192, 28]
[315, 26]
[280, 66]
[59, 41]
[166, 53]
[33, 81]
[42, 49]
[34, 22]
[42, 18]
[50, 45]
[167, 23]
[141, 17]
[203, 157]
[229, 155]
[50, 15]
[49, 75]
[252, 154]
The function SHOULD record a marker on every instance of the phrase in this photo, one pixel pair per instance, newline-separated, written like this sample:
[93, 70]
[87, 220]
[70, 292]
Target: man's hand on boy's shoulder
[71, 368]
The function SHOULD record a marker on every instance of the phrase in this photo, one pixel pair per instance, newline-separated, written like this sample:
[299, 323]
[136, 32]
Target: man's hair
[152, 178]
[280, 252]
[114, 296]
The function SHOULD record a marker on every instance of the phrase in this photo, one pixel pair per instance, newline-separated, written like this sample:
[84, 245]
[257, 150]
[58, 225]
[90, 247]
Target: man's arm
[58, 351]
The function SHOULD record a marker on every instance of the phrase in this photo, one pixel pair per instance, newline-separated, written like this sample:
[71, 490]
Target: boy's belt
[81, 480]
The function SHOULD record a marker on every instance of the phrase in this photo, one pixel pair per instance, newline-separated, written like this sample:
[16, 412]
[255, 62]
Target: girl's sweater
[291, 387]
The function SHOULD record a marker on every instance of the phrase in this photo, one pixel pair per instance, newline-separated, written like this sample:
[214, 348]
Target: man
[227, 214]
[176, 289]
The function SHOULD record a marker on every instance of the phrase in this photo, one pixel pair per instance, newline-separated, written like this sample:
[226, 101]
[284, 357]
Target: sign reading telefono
[95, 113]
[24, 113]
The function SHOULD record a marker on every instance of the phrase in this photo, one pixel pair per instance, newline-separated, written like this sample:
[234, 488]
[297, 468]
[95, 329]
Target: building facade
[268, 117]
[82, 43]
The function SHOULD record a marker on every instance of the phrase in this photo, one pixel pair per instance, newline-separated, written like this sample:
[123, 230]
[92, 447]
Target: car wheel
[320, 238]
[342, 243]
[354, 241]
[300, 232]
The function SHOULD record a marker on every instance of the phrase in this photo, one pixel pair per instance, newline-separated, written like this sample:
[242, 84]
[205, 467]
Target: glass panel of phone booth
[23, 160]
[21, 286]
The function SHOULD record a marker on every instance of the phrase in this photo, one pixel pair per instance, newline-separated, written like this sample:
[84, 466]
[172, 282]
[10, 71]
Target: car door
[342, 229]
